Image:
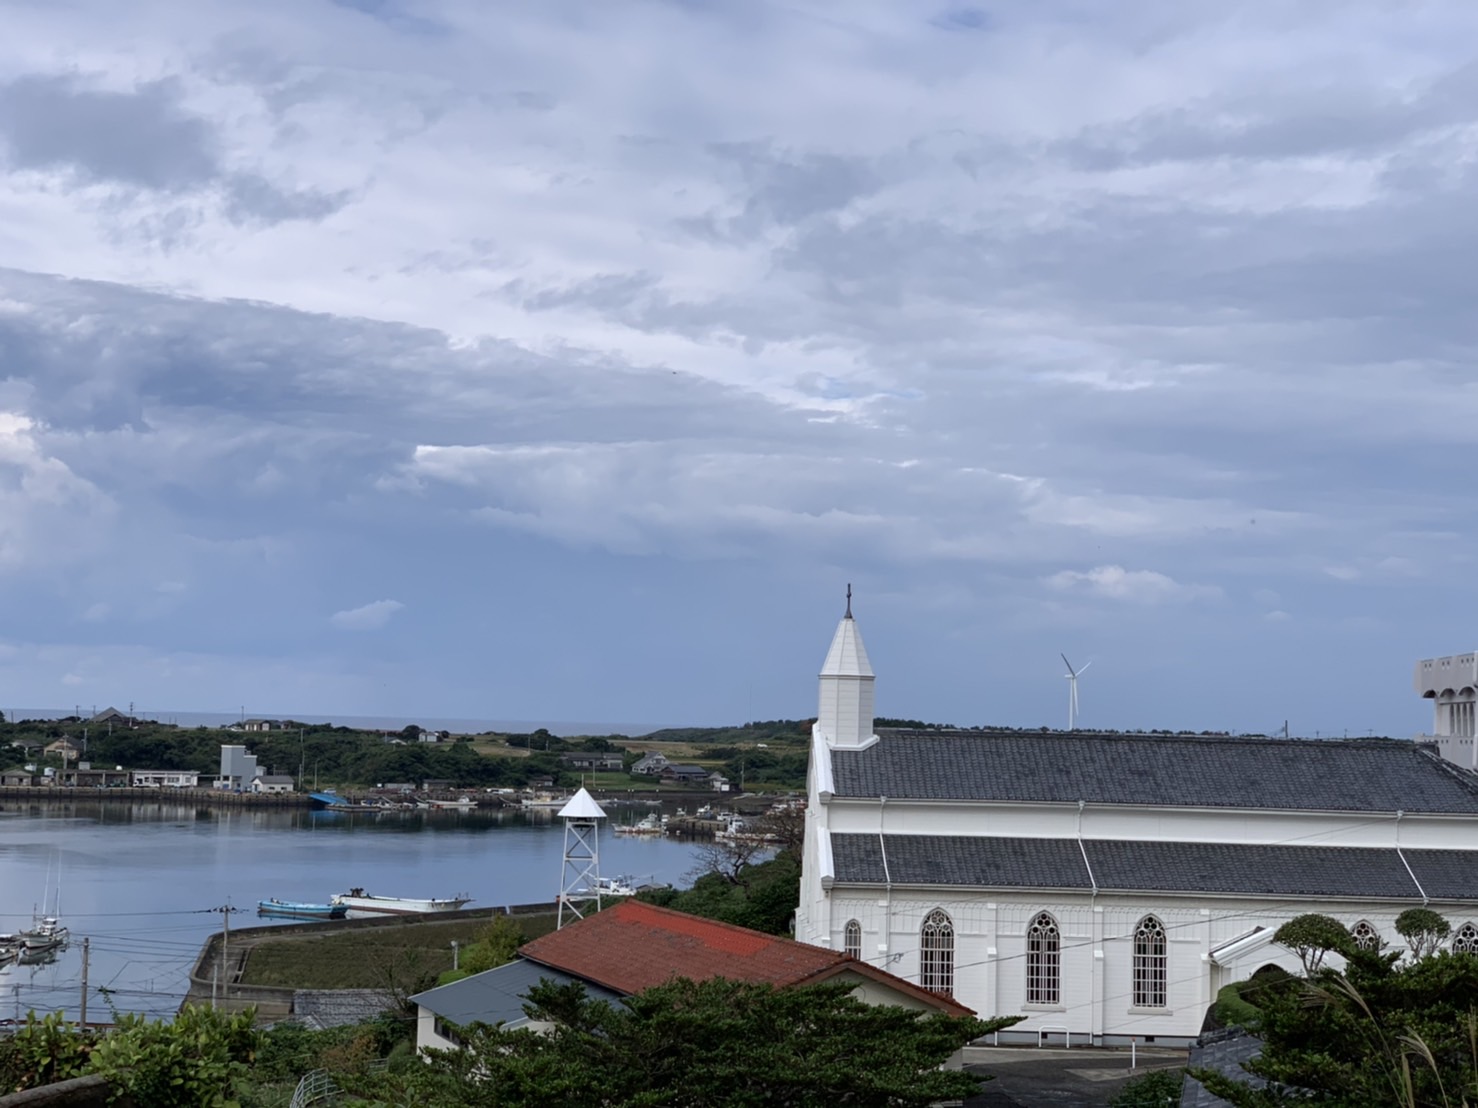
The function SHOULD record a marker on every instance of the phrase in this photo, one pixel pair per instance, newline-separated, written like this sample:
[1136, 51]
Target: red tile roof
[633, 946]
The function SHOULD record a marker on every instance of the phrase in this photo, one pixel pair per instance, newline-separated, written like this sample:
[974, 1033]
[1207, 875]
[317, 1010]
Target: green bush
[1160, 1089]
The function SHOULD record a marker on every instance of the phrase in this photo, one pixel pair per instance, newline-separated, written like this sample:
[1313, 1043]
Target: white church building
[1107, 886]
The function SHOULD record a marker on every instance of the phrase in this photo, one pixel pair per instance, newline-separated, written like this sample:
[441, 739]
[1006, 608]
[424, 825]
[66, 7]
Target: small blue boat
[292, 909]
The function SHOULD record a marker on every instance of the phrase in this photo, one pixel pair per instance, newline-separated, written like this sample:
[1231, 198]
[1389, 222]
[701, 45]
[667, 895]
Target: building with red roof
[633, 946]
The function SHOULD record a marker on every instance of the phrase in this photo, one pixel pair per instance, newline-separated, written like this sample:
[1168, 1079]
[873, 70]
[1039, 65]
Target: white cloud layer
[569, 326]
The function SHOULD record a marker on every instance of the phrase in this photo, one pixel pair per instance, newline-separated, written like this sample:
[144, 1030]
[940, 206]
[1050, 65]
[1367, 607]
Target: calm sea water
[141, 880]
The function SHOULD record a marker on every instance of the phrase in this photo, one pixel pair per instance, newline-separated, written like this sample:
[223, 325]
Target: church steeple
[844, 715]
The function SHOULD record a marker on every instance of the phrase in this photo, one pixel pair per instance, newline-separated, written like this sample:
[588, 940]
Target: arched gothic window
[1149, 964]
[937, 953]
[852, 939]
[1043, 961]
[1466, 940]
[1366, 937]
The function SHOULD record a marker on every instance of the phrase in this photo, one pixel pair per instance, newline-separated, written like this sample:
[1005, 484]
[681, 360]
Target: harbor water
[145, 882]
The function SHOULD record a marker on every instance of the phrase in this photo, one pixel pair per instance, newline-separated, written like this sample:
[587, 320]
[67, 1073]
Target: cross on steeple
[849, 601]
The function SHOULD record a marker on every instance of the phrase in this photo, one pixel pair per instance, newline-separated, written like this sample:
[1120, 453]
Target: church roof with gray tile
[1111, 865]
[1371, 775]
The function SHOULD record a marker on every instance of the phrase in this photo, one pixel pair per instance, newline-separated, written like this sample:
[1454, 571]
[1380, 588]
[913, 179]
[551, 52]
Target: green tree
[1384, 1033]
[495, 945]
[1423, 929]
[1312, 936]
[687, 1045]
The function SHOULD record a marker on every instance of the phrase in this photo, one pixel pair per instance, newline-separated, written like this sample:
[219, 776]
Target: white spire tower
[580, 873]
[845, 712]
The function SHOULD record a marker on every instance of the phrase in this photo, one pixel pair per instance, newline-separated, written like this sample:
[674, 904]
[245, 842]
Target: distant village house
[650, 765]
[591, 760]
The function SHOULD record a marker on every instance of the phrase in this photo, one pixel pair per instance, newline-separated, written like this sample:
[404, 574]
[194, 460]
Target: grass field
[370, 958]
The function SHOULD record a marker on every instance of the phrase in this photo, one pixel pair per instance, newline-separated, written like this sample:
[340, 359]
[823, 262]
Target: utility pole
[223, 963]
[301, 755]
[455, 952]
[82, 1022]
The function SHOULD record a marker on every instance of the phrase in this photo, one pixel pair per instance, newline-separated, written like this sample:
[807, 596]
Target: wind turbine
[1072, 691]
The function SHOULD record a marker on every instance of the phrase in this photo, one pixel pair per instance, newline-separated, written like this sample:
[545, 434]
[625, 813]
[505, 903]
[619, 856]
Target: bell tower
[844, 715]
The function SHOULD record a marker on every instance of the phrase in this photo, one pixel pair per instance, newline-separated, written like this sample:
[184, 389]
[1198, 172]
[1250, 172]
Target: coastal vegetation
[765, 754]
[696, 1044]
[1393, 1028]
[680, 1044]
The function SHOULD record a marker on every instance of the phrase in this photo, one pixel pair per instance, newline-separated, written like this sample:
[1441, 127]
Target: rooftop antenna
[1072, 691]
[580, 872]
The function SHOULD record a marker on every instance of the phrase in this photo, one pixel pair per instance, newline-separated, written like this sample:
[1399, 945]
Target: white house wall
[1096, 951]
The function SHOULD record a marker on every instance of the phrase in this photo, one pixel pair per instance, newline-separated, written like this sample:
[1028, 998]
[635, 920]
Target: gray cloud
[142, 137]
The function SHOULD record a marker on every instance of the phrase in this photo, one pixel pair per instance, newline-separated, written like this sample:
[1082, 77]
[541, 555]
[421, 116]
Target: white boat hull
[399, 905]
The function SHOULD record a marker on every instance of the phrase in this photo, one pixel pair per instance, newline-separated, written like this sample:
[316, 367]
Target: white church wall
[1096, 950]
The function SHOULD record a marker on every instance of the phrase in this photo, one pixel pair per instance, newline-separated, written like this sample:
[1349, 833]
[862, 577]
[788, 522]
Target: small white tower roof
[847, 656]
[583, 806]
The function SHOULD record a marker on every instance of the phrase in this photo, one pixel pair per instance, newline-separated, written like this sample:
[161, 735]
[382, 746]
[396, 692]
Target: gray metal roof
[498, 995]
[1132, 866]
[1380, 775]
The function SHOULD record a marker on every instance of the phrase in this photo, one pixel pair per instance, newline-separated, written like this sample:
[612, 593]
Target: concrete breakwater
[215, 978]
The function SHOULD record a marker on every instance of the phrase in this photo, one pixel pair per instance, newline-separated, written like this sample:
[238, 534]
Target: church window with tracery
[1466, 940]
[937, 953]
[1149, 964]
[1366, 936]
[852, 939]
[1043, 961]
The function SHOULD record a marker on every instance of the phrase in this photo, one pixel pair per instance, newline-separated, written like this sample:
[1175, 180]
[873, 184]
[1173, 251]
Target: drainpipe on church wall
[885, 948]
[1096, 969]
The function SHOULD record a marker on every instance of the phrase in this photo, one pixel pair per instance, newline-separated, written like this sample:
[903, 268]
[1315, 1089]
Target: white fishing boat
[357, 900]
[46, 934]
[647, 825]
[621, 885]
[462, 803]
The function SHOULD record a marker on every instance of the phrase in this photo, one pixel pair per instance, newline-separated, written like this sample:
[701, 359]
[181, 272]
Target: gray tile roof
[1223, 1052]
[961, 860]
[1383, 775]
[1444, 874]
[321, 1009]
[1253, 869]
[498, 995]
[1132, 866]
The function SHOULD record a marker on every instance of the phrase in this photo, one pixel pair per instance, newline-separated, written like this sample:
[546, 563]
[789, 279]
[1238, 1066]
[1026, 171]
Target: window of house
[937, 953]
[1043, 961]
[1366, 937]
[852, 939]
[1466, 940]
[1149, 964]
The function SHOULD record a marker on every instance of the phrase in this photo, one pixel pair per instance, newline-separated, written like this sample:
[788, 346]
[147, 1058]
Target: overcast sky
[563, 360]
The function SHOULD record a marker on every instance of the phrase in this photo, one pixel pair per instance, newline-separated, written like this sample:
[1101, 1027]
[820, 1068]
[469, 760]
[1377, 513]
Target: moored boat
[295, 909]
[620, 885]
[357, 900]
[648, 825]
[47, 934]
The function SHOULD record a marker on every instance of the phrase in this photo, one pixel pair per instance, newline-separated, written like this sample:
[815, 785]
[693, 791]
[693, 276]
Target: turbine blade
[1066, 662]
[1086, 665]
